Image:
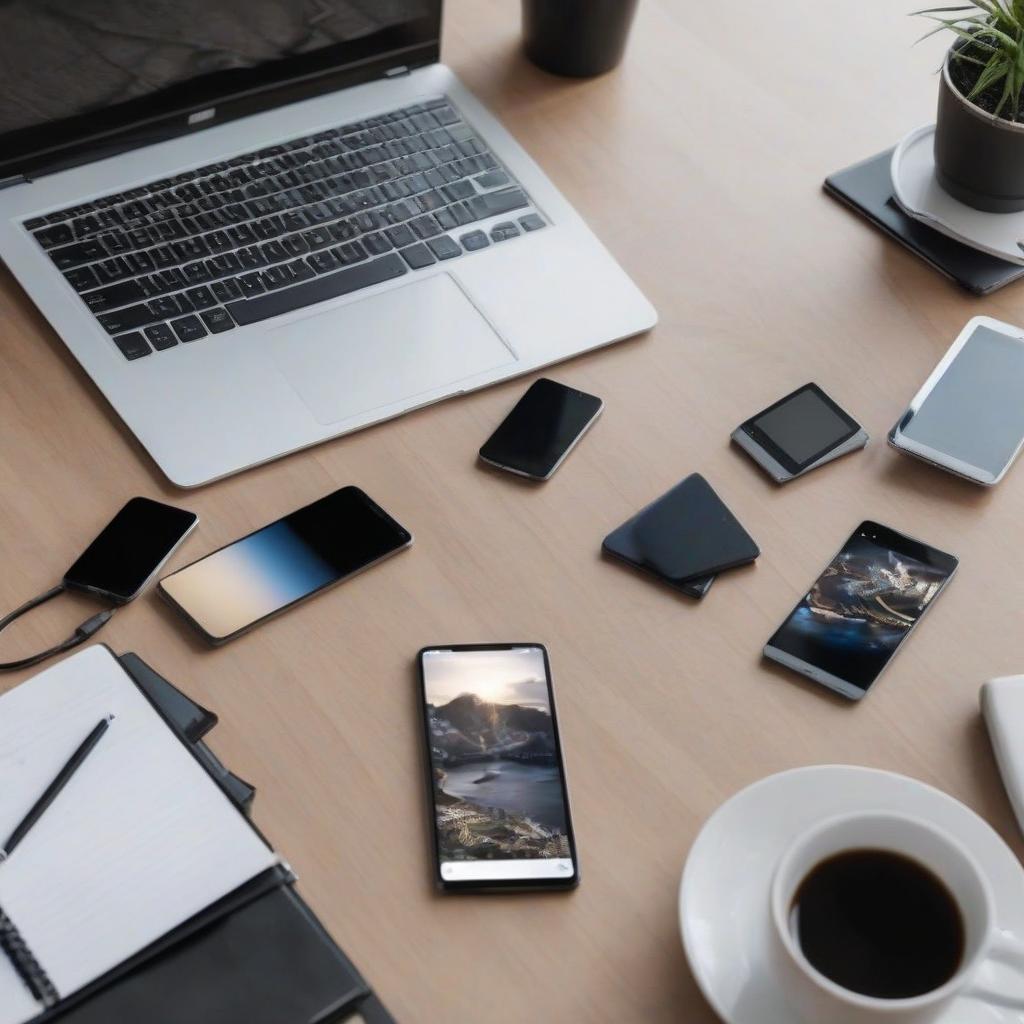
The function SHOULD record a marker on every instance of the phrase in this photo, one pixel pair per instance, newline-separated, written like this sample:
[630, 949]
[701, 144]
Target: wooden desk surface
[699, 164]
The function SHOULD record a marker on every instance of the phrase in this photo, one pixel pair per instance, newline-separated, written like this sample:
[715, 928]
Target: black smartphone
[130, 550]
[246, 582]
[496, 779]
[856, 615]
[545, 425]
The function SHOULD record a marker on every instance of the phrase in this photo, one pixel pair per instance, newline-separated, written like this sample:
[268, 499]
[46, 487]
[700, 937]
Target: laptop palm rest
[391, 347]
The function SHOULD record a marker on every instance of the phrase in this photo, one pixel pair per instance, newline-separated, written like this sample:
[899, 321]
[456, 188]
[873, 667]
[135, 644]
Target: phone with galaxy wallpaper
[858, 613]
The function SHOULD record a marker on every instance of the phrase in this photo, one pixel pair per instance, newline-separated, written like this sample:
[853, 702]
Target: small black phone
[861, 609]
[545, 425]
[246, 582]
[130, 550]
[495, 775]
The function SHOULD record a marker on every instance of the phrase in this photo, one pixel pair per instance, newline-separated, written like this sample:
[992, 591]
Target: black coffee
[878, 923]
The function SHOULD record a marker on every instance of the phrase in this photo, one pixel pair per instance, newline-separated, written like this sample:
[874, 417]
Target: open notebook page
[139, 841]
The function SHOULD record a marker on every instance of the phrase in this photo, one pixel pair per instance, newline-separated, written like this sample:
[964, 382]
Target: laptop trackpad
[392, 347]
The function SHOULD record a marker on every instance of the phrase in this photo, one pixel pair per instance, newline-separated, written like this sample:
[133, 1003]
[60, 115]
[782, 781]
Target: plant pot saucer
[920, 196]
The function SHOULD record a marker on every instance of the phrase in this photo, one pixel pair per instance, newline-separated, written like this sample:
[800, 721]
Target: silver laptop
[260, 224]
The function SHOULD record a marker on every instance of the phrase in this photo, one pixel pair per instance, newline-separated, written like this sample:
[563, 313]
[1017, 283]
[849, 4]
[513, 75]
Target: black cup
[578, 38]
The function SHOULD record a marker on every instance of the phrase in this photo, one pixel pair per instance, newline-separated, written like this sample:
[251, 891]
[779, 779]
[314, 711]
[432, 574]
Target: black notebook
[867, 188]
[257, 955]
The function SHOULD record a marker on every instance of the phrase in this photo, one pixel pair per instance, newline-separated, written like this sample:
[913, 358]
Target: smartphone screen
[859, 611]
[541, 430]
[500, 807]
[262, 574]
[130, 549]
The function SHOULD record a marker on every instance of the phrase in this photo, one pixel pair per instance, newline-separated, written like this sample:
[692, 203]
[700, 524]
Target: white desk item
[1002, 705]
[920, 196]
[139, 841]
[724, 906]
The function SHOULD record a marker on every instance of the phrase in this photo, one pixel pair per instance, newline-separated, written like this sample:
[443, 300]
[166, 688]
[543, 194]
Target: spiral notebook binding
[25, 964]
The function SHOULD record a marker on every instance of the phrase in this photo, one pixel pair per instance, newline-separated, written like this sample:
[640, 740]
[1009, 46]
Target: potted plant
[979, 131]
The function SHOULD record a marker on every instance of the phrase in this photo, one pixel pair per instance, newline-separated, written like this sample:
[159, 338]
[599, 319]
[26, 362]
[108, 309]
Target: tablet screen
[801, 429]
[975, 412]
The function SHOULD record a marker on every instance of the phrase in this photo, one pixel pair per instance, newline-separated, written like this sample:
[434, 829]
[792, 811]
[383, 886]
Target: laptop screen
[81, 74]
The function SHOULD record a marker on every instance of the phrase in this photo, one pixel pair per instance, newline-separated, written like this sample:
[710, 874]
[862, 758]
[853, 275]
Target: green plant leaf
[994, 33]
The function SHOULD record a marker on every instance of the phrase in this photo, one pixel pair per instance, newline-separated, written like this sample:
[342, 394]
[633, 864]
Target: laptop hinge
[14, 179]
[398, 72]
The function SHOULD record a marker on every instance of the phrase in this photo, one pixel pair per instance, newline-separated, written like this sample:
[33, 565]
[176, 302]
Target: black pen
[54, 788]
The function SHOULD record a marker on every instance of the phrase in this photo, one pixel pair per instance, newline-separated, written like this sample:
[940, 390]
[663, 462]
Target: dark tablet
[867, 188]
[798, 433]
[684, 537]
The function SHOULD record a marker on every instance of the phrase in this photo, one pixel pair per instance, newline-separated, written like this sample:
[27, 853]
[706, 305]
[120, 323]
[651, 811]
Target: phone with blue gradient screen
[252, 579]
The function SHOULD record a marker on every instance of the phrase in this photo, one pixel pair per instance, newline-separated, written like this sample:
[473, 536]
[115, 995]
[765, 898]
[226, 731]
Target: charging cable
[86, 630]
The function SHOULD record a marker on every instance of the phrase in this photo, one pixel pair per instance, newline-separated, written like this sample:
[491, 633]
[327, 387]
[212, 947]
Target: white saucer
[921, 197]
[724, 895]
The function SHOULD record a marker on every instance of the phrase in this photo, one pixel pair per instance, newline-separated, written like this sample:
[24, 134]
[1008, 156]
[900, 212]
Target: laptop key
[196, 273]
[201, 298]
[324, 262]
[168, 306]
[418, 256]
[459, 190]
[189, 328]
[165, 281]
[69, 256]
[217, 320]
[350, 252]
[377, 244]
[492, 179]
[227, 290]
[503, 231]
[133, 346]
[295, 245]
[161, 337]
[328, 286]
[444, 248]
[400, 235]
[114, 296]
[474, 240]
[425, 226]
[56, 234]
[532, 222]
[82, 279]
[497, 202]
[128, 319]
[462, 213]
[446, 219]
[316, 238]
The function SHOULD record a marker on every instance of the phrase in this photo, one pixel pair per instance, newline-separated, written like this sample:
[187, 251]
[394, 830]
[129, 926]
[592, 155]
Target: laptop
[261, 224]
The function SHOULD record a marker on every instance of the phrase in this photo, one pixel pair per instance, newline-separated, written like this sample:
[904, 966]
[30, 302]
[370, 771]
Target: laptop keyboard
[266, 233]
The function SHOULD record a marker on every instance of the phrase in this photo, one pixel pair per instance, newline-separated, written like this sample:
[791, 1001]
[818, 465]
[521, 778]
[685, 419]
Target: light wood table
[699, 164]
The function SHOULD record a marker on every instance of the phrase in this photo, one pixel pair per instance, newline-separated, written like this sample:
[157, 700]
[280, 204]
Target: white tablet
[968, 417]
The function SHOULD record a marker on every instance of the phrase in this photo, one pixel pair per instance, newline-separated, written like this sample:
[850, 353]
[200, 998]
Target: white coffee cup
[818, 999]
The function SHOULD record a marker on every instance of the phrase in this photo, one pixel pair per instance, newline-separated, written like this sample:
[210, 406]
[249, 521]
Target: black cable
[89, 628]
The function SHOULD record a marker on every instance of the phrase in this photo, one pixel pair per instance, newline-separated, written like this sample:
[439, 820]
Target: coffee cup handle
[1009, 950]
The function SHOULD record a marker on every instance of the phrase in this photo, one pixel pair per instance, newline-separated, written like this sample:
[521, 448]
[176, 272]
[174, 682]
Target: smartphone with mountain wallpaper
[496, 780]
